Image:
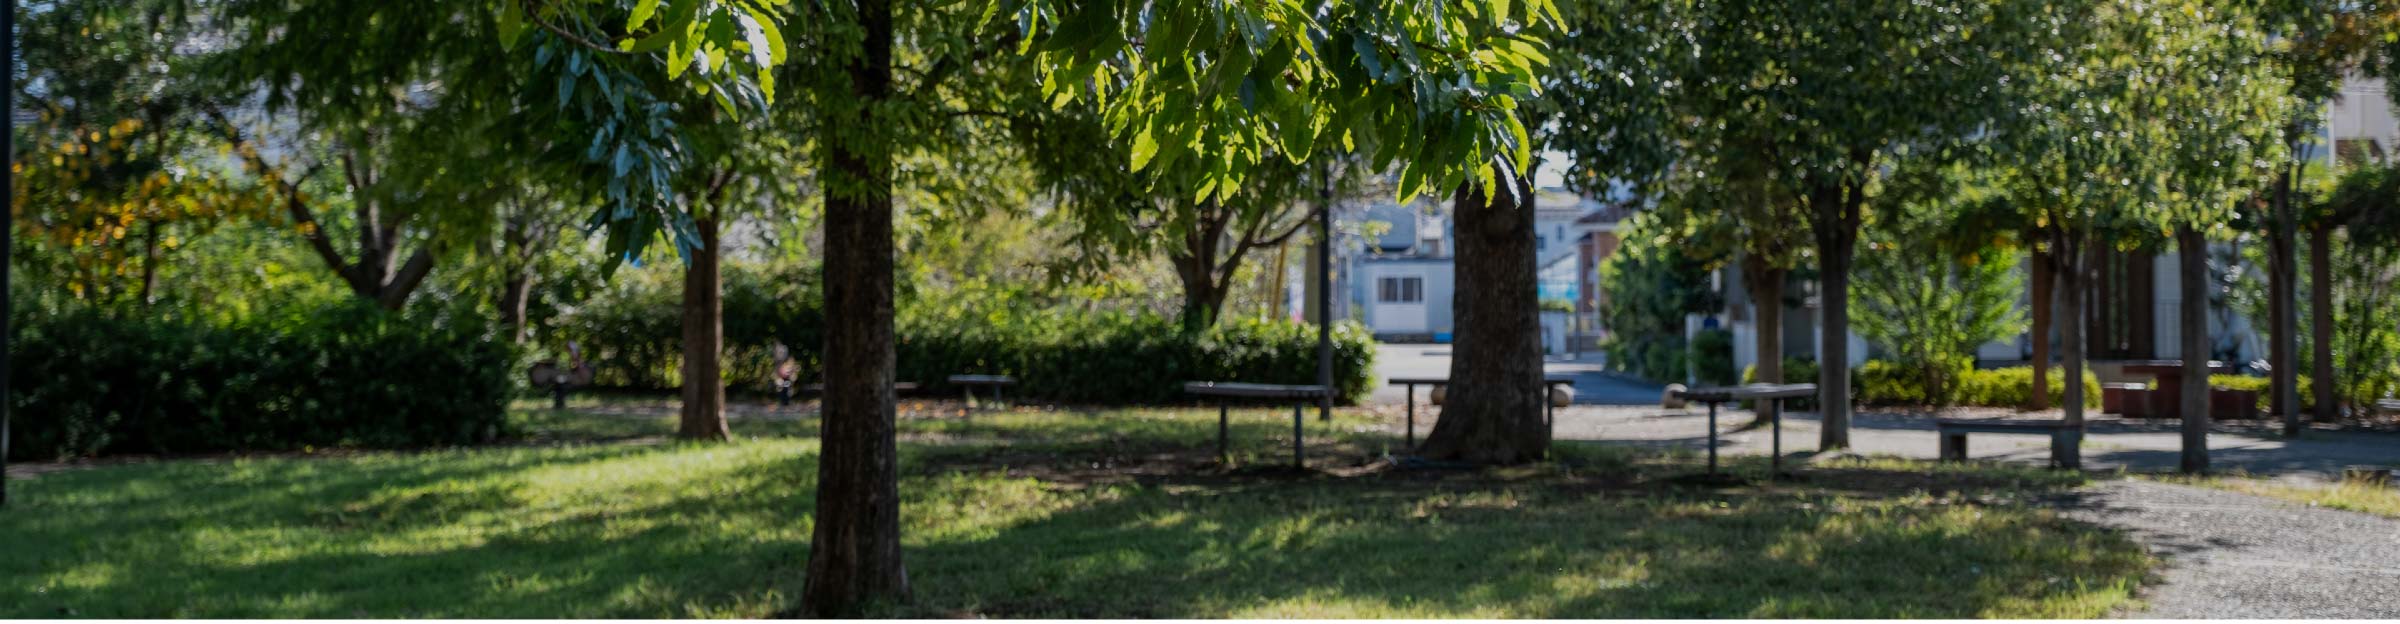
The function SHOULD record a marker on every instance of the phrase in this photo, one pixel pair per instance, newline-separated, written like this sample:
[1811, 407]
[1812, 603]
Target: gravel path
[2236, 556]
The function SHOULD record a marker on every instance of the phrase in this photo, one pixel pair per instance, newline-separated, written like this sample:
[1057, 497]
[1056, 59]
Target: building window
[1400, 290]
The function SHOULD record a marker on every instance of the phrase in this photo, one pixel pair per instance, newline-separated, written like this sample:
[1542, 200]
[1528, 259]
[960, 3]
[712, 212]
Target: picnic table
[1549, 409]
[1775, 393]
[995, 382]
[2166, 386]
[1301, 395]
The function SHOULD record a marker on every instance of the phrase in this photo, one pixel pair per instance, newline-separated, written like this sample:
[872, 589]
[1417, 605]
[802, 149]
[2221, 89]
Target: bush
[2265, 387]
[86, 382]
[2013, 387]
[1881, 382]
[633, 338]
[1116, 358]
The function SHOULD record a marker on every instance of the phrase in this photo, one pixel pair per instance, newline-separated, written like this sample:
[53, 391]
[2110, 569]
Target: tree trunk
[149, 264]
[704, 341]
[2192, 279]
[2043, 279]
[854, 556]
[2323, 378]
[1203, 296]
[1492, 413]
[2073, 261]
[2283, 335]
[1836, 213]
[514, 297]
[1766, 303]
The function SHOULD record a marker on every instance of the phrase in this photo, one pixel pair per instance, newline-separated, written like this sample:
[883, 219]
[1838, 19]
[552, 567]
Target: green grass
[1045, 514]
[2381, 500]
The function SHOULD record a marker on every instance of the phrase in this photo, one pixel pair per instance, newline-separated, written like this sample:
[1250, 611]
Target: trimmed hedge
[1881, 382]
[86, 382]
[1111, 358]
[2265, 387]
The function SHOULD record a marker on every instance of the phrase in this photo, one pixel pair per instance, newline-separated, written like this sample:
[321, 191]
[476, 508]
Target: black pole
[8, 196]
[1325, 290]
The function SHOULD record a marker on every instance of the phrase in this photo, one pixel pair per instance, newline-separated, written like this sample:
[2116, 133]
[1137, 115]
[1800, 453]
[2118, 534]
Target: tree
[1824, 96]
[2150, 127]
[390, 138]
[1450, 116]
[1935, 283]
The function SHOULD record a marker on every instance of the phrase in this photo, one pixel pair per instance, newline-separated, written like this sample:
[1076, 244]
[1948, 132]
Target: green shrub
[2265, 387]
[87, 382]
[2013, 387]
[633, 338]
[1114, 358]
[1715, 350]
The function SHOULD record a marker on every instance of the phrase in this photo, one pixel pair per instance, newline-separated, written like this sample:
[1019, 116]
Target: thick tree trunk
[854, 556]
[2072, 261]
[1836, 209]
[2192, 278]
[2283, 335]
[2043, 279]
[1766, 304]
[704, 341]
[1493, 411]
[2322, 378]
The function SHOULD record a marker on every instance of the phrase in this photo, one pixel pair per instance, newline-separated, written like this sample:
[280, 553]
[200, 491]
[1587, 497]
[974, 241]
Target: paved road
[2110, 444]
[1593, 386]
[2235, 556]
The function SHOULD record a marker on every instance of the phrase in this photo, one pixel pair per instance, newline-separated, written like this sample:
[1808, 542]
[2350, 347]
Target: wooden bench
[969, 382]
[903, 386]
[1301, 396]
[2066, 441]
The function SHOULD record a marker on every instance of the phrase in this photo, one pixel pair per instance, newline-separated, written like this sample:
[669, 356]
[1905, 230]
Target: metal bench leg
[1223, 454]
[1712, 438]
[1954, 447]
[1412, 417]
[2066, 450]
[1297, 462]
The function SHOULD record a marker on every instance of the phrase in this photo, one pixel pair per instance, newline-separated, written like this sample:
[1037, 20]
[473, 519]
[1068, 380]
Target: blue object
[1441, 337]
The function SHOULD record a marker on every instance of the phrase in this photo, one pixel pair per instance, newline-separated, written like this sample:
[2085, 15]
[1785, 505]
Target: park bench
[2388, 405]
[1773, 394]
[902, 386]
[1549, 407]
[1224, 392]
[2065, 440]
[968, 383]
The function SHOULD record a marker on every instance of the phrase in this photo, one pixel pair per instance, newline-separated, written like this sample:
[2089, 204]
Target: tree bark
[854, 555]
[2283, 337]
[514, 297]
[2323, 378]
[1492, 413]
[704, 341]
[2044, 276]
[1203, 295]
[1835, 208]
[2192, 279]
[2072, 260]
[1765, 283]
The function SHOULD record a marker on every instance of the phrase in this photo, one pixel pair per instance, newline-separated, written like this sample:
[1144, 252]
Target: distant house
[1402, 278]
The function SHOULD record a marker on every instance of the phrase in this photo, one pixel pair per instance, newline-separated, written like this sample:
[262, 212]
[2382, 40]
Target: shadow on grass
[1045, 515]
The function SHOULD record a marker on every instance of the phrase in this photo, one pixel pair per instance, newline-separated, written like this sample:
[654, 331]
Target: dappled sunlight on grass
[1045, 513]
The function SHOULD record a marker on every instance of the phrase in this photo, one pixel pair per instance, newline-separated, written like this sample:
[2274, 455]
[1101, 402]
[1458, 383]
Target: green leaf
[642, 11]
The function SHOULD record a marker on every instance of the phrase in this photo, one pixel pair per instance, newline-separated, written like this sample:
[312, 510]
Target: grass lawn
[2381, 500]
[1044, 514]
